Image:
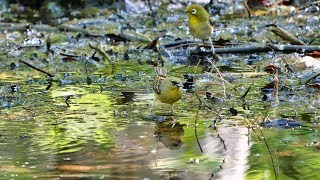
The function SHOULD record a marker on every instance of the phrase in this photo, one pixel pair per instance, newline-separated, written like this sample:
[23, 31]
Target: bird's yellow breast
[193, 21]
[170, 96]
[200, 30]
[200, 25]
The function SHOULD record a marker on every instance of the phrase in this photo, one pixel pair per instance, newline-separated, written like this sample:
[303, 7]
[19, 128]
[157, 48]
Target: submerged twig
[100, 51]
[49, 85]
[250, 126]
[247, 91]
[67, 101]
[268, 147]
[287, 65]
[312, 77]
[269, 151]
[33, 67]
[243, 97]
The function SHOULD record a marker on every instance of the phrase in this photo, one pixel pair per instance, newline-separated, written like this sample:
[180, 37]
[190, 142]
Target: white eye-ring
[193, 11]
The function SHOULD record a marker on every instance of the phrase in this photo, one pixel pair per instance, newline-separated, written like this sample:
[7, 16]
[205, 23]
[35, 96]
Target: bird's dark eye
[174, 82]
[193, 11]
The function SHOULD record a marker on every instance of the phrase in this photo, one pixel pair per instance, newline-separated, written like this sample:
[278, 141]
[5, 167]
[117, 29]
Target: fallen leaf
[72, 167]
[307, 62]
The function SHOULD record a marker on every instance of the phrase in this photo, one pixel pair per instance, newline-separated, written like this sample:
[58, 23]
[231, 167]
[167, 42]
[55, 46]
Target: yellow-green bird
[200, 23]
[167, 89]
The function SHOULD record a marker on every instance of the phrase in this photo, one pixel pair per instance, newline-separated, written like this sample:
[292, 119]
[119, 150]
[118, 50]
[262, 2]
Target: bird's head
[176, 83]
[172, 83]
[198, 12]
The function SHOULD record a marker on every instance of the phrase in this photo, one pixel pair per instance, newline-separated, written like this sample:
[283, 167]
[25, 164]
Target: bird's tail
[161, 73]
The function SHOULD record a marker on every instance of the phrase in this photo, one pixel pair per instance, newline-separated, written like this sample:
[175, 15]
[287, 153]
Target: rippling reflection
[89, 140]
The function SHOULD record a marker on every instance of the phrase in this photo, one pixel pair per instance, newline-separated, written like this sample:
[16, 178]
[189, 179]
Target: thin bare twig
[224, 159]
[312, 77]
[33, 67]
[276, 79]
[67, 100]
[287, 65]
[99, 49]
[196, 91]
[196, 135]
[269, 151]
[245, 3]
[276, 174]
[220, 75]
[210, 73]
[219, 169]
[243, 97]
[224, 144]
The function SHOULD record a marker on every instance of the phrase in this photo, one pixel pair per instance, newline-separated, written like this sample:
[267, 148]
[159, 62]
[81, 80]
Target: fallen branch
[186, 43]
[70, 28]
[248, 49]
[265, 49]
[284, 34]
[23, 27]
[47, 28]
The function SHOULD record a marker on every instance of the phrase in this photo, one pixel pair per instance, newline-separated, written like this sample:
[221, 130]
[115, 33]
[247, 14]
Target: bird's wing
[211, 22]
[161, 71]
[157, 84]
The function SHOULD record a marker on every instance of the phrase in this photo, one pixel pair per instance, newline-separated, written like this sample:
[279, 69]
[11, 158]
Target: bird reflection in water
[169, 133]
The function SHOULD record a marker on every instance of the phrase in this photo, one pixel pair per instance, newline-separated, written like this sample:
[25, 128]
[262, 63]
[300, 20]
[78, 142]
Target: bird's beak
[186, 11]
[179, 85]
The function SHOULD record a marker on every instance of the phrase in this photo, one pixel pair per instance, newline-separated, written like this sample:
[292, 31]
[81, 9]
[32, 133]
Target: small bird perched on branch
[200, 23]
[167, 89]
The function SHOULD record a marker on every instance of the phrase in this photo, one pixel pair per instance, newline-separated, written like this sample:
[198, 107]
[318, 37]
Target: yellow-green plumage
[170, 90]
[166, 89]
[200, 24]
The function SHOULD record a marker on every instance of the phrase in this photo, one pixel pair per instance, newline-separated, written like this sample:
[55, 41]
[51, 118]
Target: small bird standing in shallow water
[167, 89]
[200, 23]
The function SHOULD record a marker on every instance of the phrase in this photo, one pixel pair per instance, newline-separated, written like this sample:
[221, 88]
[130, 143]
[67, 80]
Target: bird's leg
[174, 122]
[154, 102]
[171, 108]
[212, 47]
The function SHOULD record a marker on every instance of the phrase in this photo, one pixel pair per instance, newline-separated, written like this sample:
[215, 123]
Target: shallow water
[110, 134]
